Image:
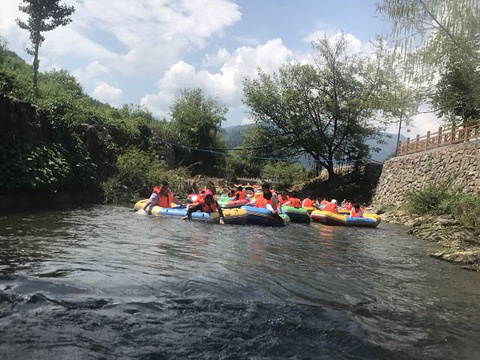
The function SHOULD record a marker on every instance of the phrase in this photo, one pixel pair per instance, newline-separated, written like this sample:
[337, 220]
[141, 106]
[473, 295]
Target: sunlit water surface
[105, 283]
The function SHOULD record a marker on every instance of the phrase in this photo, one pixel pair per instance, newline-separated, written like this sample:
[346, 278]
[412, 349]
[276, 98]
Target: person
[307, 202]
[324, 202]
[343, 203]
[266, 200]
[357, 211]
[348, 206]
[206, 203]
[317, 202]
[240, 193]
[293, 201]
[165, 196]
[331, 206]
[152, 201]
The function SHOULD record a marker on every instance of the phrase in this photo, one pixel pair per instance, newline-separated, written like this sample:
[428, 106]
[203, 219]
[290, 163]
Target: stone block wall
[458, 164]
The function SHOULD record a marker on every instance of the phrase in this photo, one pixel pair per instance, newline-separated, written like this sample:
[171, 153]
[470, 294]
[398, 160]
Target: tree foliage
[441, 40]
[196, 122]
[324, 111]
[43, 15]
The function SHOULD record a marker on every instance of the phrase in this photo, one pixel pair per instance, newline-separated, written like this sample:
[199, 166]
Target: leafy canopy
[324, 111]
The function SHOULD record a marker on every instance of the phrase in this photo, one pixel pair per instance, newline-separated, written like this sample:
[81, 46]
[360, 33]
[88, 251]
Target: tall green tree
[43, 15]
[196, 122]
[457, 93]
[324, 111]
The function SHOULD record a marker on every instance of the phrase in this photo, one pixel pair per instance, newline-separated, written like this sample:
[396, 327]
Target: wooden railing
[443, 137]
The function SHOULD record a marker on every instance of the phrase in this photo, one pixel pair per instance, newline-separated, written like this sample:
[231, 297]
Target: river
[103, 282]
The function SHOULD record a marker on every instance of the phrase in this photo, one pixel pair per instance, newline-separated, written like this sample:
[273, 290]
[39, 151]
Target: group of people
[268, 198]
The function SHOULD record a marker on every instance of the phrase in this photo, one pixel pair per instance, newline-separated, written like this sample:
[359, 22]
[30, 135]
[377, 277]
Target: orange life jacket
[330, 207]
[348, 206]
[207, 208]
[307, 202]
[324, 202]
[261, 202]
[295, 202]
[165, 200]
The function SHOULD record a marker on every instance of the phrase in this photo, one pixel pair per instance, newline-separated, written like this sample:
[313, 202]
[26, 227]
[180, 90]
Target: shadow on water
[104, 282]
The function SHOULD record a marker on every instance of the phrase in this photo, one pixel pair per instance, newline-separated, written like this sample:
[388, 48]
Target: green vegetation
[284, 174]
[440, 39]
[442, 199]
[325, 111]
[85, 144]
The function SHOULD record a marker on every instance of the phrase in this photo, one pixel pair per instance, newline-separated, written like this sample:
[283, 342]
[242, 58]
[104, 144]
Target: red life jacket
[324, 202]
[240, 195]
[330, 207]
[165, 200]
[295, 202]
[348, 206]
[308, 202]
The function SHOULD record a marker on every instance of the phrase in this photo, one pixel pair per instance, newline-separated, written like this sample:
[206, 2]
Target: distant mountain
[387, 149]
[233, 136]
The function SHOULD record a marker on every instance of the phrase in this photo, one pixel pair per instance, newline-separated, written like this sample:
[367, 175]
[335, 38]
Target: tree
[324, 111]
[196, 122]
[441, 40]
[457, 94]
[44, 15]
[434, 26]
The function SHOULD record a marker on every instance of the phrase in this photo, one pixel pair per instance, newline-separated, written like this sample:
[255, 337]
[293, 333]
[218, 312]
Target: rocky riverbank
[460, 245]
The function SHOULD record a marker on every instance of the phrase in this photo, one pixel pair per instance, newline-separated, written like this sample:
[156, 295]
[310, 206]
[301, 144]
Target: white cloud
[217, 59]
[105, 92]
[93, 70]
[131, 38]
[226, 84]
[247, 121]
[354, 45]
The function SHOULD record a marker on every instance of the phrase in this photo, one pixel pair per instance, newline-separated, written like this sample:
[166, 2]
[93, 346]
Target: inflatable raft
[177, 212]
[296, 215]
[238, 216]
[328, 218]
[263, 217]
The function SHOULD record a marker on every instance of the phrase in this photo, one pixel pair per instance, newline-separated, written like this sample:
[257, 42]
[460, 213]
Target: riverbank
[459, 244]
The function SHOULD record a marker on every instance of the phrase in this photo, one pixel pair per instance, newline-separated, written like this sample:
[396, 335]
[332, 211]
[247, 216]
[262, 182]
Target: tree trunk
[36, 63]
[331, 172]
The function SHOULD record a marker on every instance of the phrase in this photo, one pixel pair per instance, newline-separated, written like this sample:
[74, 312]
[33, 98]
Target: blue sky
[144, 51]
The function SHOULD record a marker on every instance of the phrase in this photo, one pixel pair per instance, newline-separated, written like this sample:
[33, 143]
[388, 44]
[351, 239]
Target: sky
[145, 51]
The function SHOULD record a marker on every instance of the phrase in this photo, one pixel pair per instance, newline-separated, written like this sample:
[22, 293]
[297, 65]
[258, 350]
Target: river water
[105, 283]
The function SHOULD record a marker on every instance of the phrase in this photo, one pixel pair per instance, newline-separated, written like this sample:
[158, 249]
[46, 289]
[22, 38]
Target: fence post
[427, 140]
[439, 136]
[466, 133]
[408, 143]
[452, 134]
[417, 142]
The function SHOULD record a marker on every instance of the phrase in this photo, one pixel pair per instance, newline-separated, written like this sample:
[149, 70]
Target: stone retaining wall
[459, 164]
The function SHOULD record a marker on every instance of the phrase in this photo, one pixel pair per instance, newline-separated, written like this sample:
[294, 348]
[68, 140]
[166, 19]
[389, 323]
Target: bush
[33, 166]
[442, 199]
[284, 174]
[429, 199]
[138, 173]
